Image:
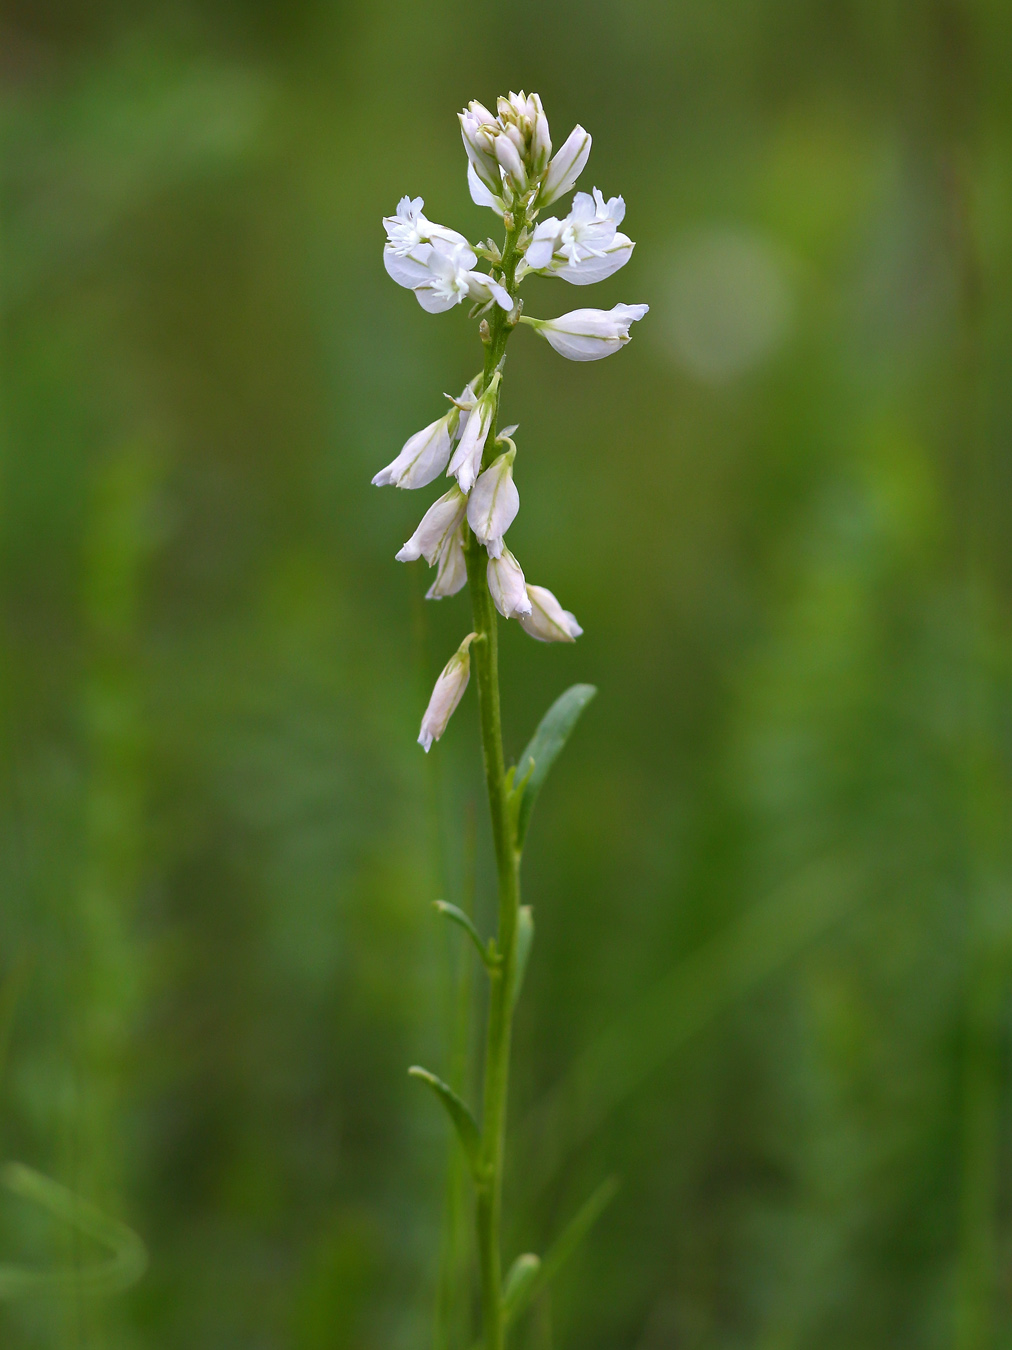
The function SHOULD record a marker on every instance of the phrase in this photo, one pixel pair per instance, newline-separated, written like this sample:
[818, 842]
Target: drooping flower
[446, 694]
[466, 462]
[569, 162]
[507, 587]
[493, 504]
[586, 246]
[451, 567]
[435, 528]
[548, 621]
[425, 454]
[409, 242]
[588, 334]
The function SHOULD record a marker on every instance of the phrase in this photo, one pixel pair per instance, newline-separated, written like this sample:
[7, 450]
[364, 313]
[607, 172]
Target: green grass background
[771, 874]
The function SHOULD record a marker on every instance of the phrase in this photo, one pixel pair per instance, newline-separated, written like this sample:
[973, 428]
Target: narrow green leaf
[519, 1282]
[525, 940]
[458, 916]
[545, 746]
[530, 1284]
[578, 1227]
[463, 1121]
[125, 1265]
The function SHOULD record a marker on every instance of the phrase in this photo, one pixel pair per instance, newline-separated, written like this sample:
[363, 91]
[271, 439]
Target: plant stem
[485, 661]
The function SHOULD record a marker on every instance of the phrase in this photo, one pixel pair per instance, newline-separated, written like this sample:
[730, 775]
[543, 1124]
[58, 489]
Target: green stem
[485, 663]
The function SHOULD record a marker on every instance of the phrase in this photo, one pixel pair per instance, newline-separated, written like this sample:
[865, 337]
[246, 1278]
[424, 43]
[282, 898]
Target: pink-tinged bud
[548, 621]
[478, 128]
[507, 586]
[541, 141]
[566, 167]
[447, 693]
[509, 158]
[493, 504]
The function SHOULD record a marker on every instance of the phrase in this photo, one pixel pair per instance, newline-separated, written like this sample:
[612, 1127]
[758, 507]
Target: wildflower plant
[512, 171]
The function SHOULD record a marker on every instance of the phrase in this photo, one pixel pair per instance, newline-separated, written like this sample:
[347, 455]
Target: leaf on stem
[463, 1121]
[125, 1265]
[516, 1290]
[560, 1251]
[544, 748]
[458, 916]
[525, 940]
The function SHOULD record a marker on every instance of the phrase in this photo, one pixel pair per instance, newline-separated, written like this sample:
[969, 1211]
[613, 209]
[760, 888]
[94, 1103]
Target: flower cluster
[511, 170]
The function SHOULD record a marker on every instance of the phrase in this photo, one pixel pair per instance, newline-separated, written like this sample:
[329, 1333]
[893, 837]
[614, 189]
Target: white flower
[493, 504]
[586, 246]
[451, 567]
[447, 693]
[424, 457]
[480, 194]
[548, 621]
[448, 278]
[589, 334]
[506, 583]
[479, 128]
[409, 242]
[435, 528]
[566, 167]
[426, 453]
[466, 462]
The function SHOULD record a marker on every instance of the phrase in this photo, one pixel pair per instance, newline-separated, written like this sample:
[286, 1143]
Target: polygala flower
[507, 587]
[426, 454]
[548, 621]
[446, 694]
[466, 462]
[566, 167]
[451, 567]
[435, 528]
[589, 334]
[493, 504]
[586, 246]
[448, 278]
[511, 171]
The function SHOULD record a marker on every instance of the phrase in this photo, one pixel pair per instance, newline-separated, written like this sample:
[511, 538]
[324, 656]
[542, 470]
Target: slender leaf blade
[463, 1121]
[516, 1293]
[528, 1285]
[525, 940]
[544, 748]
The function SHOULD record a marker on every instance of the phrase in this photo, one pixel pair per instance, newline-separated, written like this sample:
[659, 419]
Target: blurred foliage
[771, 875]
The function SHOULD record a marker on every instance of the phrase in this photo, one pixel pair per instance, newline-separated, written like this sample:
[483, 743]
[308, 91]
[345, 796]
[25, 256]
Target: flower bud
[507, 587]
[508, 156]
[541, 141]
[478, 129]
[566, 167]
[589, 334]
[446, 694]
[435, 528]
[493, 504]
[548, 621]
[451, 567]
[424, 456]
[466, 462]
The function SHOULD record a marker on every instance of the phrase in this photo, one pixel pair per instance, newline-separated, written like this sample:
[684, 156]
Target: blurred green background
[771, 876]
